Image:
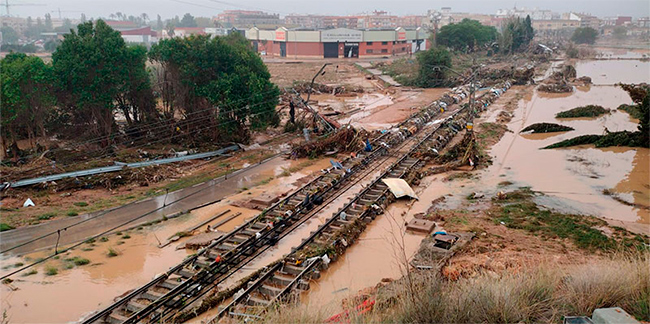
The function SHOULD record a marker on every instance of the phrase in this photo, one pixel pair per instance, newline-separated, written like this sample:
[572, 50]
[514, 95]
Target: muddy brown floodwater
[574, 178]
[72, 293]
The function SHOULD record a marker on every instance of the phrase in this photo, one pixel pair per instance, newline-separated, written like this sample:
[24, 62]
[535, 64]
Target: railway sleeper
[269, 290]
[283, 280]
[169, 284]
[185, 273]
[291, 269]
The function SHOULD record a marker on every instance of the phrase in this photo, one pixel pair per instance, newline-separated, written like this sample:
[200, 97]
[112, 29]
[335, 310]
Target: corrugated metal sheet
[303, 36]
[379, 35]
[253, 33]
[267, 35]
[411, 34]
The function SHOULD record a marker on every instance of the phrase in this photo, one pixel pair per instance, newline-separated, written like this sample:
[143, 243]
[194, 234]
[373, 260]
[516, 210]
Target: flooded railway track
[185, 283]
[293, 273]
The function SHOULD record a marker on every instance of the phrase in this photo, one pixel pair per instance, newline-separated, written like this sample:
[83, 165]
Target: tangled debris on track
[563, 80]
[583, 111]
[318, 88]
[346, 139]
[546, 128]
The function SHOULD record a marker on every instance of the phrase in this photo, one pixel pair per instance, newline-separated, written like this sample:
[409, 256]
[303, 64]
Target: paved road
[197, 195]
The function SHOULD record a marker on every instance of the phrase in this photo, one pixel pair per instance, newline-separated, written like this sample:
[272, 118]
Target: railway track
[185, 283]
[294, 272]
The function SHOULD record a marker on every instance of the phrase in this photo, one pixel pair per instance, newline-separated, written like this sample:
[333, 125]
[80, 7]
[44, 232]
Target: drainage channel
[294, 272]
[198, 274]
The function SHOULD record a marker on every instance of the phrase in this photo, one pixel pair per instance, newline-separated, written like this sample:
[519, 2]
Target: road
[197, 195]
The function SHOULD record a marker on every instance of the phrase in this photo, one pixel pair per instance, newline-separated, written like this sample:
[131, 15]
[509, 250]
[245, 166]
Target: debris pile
[519, 76]
[561, 87]
[318, 88]
[546, 128]
[346, 139]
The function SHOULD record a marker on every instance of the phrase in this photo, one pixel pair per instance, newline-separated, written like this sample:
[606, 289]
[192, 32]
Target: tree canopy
[27, 99]
[516, 35]
[433, 64]
[219, 82]
[96, 73]
[466, 35]
[584, 35]
[187, 21]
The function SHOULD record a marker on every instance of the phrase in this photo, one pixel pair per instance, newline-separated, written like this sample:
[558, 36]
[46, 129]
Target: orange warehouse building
[337, 43]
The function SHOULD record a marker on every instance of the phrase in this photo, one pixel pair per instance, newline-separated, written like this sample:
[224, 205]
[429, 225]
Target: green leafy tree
[187, 21]
[466, 35]
[93, 69]
[219, 84]
[27, 99]
[516, 35]
[584, 35]
[9, 35]
[433, 65]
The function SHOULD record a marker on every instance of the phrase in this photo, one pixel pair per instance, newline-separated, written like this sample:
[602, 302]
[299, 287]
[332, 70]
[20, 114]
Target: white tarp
[399, 188]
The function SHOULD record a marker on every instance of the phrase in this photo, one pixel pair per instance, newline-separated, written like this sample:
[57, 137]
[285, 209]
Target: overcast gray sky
[208, 8]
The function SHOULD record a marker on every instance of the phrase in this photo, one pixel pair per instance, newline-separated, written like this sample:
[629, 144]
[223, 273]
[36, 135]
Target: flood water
[73, 293]
[577, 176]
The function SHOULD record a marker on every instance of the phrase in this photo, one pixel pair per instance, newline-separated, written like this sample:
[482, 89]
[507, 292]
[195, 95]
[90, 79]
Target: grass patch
[103, 239]
[81, 204]
[72, 213]
[624, 138]
[5, 227]
[112, 252]
[126, 236]
[78, 261]
[583, 111]
[47, 216]
[51, 271]
[546, 128]
[30, 273]
[517, 211]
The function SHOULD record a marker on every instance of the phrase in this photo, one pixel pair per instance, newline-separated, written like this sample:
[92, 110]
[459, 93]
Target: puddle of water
[614, 71]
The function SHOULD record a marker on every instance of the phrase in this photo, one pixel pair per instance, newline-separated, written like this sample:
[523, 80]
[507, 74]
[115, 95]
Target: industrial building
[338, 42]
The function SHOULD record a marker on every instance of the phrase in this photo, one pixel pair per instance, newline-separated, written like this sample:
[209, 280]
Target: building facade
[337, 42]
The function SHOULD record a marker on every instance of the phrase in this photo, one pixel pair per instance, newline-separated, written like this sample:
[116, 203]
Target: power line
[93, 217]
[161, 124]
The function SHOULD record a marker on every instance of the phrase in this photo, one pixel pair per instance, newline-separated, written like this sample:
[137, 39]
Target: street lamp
[311, 86]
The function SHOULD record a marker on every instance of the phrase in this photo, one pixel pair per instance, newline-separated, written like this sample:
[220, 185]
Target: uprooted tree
[219, 85]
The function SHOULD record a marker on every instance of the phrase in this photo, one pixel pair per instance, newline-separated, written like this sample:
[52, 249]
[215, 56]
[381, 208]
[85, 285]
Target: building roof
[139, 31]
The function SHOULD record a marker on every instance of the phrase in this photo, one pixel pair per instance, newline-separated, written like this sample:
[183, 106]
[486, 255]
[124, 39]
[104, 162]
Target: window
[384, 50]
[368, 43]
[384, 43]
[368, 51]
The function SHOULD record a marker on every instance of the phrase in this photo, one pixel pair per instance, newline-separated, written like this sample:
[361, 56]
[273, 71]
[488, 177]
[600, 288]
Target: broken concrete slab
[200, 240]
[612, 315]
[265, 200]
[420, 225]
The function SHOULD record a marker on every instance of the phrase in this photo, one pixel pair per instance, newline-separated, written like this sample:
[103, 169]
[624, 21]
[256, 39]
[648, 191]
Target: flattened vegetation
[546, 128]
[583, 111]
